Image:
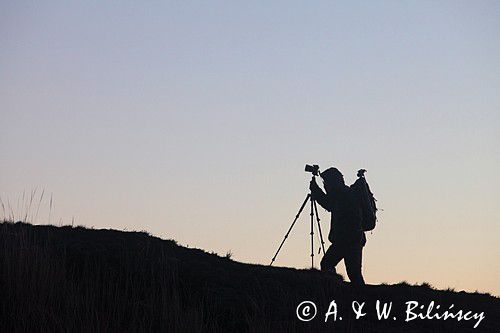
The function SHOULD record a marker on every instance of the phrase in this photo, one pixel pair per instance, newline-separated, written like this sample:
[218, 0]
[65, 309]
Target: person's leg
[352, 260]
[332, 257]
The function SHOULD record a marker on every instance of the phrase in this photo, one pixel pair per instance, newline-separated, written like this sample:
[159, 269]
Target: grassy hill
[76, 279]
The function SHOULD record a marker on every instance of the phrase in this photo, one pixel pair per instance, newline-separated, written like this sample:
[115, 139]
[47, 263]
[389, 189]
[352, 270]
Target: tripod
[314, 211]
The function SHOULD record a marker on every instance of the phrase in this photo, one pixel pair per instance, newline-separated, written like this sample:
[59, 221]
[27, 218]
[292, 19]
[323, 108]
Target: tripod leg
[319, 226]
[312, 233]
[290, 229]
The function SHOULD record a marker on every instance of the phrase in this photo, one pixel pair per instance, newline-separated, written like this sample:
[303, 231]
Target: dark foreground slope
[76, 279]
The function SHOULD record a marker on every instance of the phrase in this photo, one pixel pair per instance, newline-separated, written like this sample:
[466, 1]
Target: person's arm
[318, 195]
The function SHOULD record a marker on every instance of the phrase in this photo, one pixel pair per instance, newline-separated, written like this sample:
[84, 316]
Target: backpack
[367, 201]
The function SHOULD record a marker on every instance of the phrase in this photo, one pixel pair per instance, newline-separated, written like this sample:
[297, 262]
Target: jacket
[346, 215]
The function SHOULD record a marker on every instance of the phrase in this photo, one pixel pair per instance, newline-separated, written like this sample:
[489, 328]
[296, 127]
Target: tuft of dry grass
[27, 209]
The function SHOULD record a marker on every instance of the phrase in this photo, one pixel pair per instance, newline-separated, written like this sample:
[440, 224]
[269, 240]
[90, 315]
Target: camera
[314, 169]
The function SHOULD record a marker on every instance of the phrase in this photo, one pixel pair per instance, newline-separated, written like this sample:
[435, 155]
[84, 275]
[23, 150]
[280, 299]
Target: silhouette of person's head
[332, 179]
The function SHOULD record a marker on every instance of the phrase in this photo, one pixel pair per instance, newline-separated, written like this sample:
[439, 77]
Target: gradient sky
[193, 121]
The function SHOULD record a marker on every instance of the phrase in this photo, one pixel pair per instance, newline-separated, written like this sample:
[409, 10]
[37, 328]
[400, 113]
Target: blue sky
[193, 120]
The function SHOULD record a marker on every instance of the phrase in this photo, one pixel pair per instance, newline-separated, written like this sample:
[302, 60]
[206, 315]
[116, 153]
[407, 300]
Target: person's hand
[313, 185]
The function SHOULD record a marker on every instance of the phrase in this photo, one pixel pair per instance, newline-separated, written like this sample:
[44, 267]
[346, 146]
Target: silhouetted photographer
[347, 227]
[353, 211]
